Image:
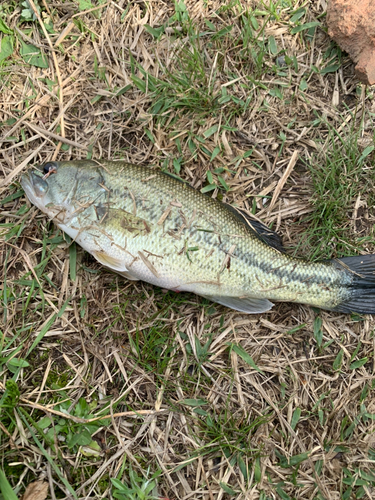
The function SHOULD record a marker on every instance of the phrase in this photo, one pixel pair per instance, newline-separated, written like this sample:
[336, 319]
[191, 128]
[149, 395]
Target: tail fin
[361, 271]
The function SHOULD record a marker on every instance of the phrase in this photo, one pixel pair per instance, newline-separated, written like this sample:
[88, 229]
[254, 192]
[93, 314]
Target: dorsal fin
[264, 233]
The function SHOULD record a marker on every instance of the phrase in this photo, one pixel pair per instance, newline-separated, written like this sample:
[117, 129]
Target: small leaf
[210, 25]
[304, 27]
[44, 423]
[18, 362]
[227, 489]
[192, 147]
[199, 411]
[355, 352]
[282, 494]
[303, 85]
[119, 485]
[177, 165]
[123, 90]
[33, 56]
[298, 14]
[296, 329]
[82, 408]
[223, 31]
[91, 450]
[295, 418]
[139, 83]
[276, 92]
[297, 459]
[5, 488]
[85, 5]
[245, 356]
[364, 392]
[82, 438]
[150, 136]
[215, 152]
[28, 13]
[272, 45]
[223, 183]
[211, 131]
[73, 261]
[332, 68]
[321, 417]
[318, 466]
[369, 476]
[6, 47]
[193, 402]
[338, 360]
[208, 188]
[4, 28]
[95, 99]
[257, 470]
[210, 177]
[155, 32]
[254, 22]
[318, 334]
[366, 152]
[359, 363]
[242, 466]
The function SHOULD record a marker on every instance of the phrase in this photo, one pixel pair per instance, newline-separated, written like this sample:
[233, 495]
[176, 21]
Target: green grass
[135, 487]
[339, 174]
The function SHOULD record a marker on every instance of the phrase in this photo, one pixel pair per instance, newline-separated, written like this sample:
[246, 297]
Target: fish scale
[148, 225]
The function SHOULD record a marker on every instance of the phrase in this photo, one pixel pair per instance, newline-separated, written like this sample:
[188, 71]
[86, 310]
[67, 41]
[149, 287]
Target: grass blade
[6, 489]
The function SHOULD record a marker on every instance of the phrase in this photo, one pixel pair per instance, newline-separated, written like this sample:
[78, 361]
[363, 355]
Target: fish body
[147, 225]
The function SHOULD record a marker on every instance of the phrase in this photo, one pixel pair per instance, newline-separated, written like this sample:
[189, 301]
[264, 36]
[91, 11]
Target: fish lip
[35, 190]
[26, 183]
[27, 178]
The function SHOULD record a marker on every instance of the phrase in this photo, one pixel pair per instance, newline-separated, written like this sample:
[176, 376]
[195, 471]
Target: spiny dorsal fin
[264, 233]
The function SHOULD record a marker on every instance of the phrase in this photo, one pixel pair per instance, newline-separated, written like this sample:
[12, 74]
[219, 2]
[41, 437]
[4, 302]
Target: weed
[137, 487]
[337, 175]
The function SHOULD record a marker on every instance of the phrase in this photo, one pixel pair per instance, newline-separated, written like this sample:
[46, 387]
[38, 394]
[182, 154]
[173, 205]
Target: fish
[146, 224]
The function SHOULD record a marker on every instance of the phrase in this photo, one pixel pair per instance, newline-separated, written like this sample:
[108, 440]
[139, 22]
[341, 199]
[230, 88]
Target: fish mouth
[35, 183]
[35, 188]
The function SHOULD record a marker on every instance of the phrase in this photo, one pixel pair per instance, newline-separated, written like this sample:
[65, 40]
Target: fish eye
[49, 166]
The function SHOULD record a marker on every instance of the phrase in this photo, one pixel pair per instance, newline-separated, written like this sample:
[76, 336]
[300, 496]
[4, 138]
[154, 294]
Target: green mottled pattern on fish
[148, 225]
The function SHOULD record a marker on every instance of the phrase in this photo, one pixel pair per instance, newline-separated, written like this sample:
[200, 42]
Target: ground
[118, 389]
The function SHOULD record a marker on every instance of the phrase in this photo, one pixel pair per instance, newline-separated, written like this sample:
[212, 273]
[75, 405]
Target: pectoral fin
[110, 262]
[246, 305]
[116, 219]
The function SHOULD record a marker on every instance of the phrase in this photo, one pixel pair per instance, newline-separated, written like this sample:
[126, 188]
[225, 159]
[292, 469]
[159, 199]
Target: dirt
[352, 25]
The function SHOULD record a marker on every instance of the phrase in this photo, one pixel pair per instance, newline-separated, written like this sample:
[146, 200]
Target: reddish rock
[351, 23]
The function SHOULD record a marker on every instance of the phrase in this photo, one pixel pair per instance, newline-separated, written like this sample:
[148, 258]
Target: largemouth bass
[147, 225]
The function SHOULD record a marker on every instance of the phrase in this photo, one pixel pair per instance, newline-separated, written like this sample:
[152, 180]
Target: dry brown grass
[130, 348]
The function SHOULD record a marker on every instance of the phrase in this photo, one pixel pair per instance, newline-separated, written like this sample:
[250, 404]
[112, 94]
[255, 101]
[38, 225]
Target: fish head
[63, 189]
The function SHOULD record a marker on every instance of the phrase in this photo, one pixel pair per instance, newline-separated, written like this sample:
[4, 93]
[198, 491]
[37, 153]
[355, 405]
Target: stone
[351, 23]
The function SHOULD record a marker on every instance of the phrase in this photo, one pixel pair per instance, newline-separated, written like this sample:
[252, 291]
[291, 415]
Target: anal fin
[247, 305]
[129, 276]
[110, 262]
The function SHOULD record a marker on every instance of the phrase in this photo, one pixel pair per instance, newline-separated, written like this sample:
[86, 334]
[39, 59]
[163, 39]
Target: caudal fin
[361, 270]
